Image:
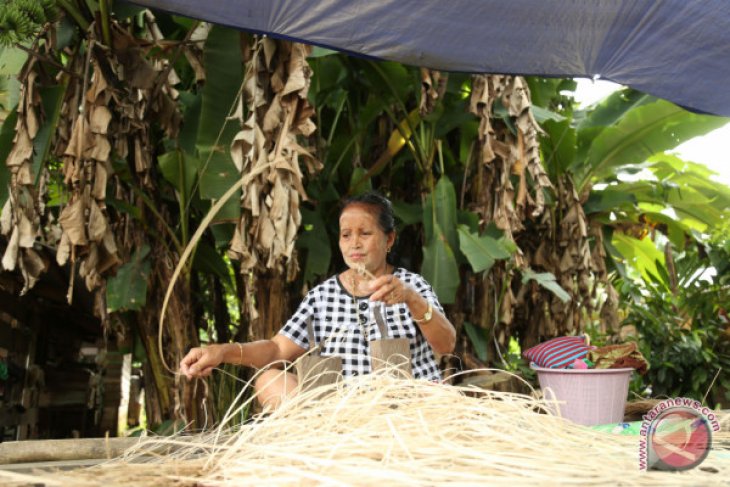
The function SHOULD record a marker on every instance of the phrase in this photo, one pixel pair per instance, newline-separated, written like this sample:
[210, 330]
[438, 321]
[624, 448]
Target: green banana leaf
[609, 199]
[543, 114]
[408, 213]
[178, 172]
[127, 290]
[558, 146]
[642, 255]
[358, 185]
[440, 208]
[11, 60]
[192, 106]
[224, 74]
[6, 144]
[314, 238]
[439, 266]
[207, 259]
[639, 134]
[481, 252]
[51, 99]
[611, 109]
[478, 337]
[546, 280]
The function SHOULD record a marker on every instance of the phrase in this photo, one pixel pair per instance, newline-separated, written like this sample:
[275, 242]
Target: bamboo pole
[79, 449]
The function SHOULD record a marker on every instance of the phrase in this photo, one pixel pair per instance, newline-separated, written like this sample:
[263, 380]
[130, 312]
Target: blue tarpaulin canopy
[675, 49]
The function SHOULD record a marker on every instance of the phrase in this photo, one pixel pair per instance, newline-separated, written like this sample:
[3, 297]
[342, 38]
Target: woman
[341, 311]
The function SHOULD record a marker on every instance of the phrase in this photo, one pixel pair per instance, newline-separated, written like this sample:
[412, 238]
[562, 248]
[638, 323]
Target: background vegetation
[531, 218]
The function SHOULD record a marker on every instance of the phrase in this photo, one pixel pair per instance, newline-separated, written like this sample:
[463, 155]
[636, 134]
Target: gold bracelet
[240, 349]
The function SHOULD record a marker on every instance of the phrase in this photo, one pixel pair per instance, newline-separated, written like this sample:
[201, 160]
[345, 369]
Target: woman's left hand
[389, 289]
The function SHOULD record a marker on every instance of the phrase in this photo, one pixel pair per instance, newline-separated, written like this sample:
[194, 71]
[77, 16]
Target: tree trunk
[272, 302]
[168, 394]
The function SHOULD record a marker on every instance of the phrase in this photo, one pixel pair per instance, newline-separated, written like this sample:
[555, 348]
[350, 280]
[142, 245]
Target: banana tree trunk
[169, 395]
[273, 305]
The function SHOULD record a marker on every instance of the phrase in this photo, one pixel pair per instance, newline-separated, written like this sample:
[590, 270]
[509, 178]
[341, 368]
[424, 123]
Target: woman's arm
[438, 331]
[200, 361]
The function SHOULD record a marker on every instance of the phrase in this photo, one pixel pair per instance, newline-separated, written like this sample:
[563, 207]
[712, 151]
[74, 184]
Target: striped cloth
[558, 353]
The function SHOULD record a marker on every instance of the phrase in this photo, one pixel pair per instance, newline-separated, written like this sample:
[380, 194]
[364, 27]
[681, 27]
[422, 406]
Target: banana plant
[616, 153]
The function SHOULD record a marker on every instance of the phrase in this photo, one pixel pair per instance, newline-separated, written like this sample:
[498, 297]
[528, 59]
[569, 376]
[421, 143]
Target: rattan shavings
[379, 429]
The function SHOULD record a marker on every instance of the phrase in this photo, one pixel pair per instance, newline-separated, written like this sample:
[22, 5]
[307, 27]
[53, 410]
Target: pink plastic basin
[589, 397]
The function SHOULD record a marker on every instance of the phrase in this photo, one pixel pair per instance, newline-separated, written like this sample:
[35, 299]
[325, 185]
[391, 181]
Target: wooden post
[83, 448]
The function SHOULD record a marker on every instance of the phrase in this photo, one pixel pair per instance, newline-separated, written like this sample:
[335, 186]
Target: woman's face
[362, 241]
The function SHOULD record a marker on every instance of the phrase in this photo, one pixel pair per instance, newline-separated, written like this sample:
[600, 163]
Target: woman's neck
[384, 269]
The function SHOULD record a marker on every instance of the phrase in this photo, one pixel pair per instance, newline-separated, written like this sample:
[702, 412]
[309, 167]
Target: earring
[388, 250]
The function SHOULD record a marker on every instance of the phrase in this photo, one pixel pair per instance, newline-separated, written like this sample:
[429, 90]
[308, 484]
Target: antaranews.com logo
[676, 435]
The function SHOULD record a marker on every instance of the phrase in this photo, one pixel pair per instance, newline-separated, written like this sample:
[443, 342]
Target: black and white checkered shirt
[344, 325]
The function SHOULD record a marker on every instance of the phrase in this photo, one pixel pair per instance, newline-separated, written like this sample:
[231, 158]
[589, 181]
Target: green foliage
[675, 198]
[6, 144]
[228, 394]
[546, 280]
[626, 128]
[21, 19]
[209, 261]
[52, 99]
[681, 332]
[359, 184]
[127, 290]
[440, 208]
[516, 363]
[440, 260]
[179, 172]
[408, 213]
[642, 255]
[559, 146]
[483, 251]
[439, 266]
[224, 73]
[553, 94]
[479, 339]
[639, 133]
[314, 239]
[11, 61]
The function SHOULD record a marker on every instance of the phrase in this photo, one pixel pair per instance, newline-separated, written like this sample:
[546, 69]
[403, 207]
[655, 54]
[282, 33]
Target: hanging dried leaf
[20, 220]
[97, 223]
[73, 222]
[26, 232]
[268, 155]
[109, 118]
[6, 218]
[551, 242]
[63, 251]
[137, 71]
[22, 148]
[10, 258]
[433, 87]
[100, 118]
[194, 57]
[32, 265]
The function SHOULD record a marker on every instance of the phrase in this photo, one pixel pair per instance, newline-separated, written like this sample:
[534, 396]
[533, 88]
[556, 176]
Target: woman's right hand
[200, 361]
